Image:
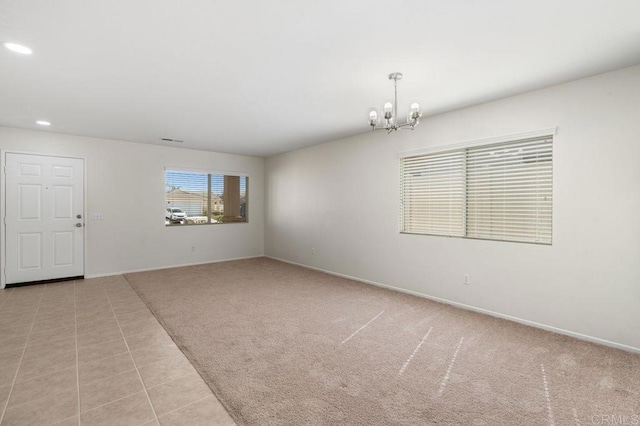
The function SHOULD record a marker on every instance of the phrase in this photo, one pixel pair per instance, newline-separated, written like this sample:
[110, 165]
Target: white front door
[44, 217]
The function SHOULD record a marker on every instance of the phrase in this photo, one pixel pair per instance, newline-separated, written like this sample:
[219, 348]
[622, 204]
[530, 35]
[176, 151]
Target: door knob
[78, 225]
[78, 216]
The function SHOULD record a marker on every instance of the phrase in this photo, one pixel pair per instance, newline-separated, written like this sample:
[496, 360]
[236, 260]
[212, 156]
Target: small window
[497, 192]
[193, 198]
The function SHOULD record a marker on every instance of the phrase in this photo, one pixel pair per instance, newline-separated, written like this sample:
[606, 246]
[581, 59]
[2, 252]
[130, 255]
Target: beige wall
[328, 197]
[125, 182]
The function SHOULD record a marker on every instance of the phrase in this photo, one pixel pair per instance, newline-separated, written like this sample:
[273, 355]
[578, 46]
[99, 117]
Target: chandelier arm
[410, 126]
[389, 129]
[405, 125]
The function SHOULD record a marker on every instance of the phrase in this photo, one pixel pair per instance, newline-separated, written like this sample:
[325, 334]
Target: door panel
[30, 202]
[29, 250]
[63, 172]
[43, 197]
[62, 202]
[62, 249]
[28, 169]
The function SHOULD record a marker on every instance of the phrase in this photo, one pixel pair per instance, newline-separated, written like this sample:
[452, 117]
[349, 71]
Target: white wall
[342, 198]
[125, 181]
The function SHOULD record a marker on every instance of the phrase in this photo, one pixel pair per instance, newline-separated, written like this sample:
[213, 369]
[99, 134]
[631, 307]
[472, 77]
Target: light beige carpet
[281, 344]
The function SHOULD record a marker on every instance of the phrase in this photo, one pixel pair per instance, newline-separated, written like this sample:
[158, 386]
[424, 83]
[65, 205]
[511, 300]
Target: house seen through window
[197, 198]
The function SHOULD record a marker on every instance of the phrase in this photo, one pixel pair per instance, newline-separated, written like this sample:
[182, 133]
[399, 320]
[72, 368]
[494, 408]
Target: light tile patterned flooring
[89, 352]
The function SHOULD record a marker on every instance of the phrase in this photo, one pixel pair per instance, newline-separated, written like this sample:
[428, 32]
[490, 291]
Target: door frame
[3, 206]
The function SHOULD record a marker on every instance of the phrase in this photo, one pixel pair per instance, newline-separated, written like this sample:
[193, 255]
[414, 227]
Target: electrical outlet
[193, 248]
[465, 279]
[313, 251]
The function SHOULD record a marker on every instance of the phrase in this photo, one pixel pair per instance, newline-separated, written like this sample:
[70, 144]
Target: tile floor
[89, 352]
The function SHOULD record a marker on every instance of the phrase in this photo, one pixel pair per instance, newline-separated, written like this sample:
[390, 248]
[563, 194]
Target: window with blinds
[499, 192]
[193, 198]
[433, 194]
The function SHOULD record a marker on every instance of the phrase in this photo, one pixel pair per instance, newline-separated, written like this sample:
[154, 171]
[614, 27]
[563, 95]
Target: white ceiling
[259, 78]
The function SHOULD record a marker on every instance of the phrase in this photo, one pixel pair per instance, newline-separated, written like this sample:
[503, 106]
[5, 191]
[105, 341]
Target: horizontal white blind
[501, 191]
[433, 194]
[509, 191]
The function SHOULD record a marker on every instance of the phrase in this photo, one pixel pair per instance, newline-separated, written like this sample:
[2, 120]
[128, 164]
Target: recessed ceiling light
[43, 123]
[18, 48]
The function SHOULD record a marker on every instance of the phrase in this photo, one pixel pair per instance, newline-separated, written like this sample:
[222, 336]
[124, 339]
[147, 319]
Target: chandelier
[391, 112]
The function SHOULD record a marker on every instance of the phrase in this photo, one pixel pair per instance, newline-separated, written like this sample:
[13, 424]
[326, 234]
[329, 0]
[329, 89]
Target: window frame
[210, 202]
[464, 148]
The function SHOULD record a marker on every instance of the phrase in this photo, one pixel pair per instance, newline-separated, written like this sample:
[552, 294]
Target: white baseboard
[110, 274]
[580, 336]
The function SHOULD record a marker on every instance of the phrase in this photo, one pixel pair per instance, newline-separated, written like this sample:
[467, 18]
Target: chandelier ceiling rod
[391, 112]
[395, 76]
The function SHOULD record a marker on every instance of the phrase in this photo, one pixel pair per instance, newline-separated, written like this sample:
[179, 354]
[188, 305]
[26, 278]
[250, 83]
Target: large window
[194, 198]
[498, 191]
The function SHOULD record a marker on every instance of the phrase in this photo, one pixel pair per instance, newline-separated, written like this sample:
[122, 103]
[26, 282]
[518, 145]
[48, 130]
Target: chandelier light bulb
[373, 117]
[388, 112]
[414, 113]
